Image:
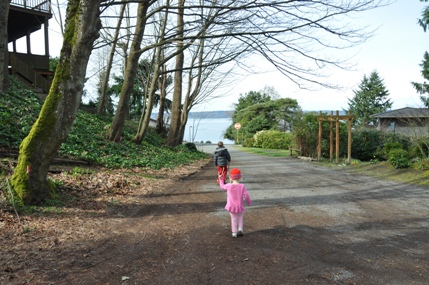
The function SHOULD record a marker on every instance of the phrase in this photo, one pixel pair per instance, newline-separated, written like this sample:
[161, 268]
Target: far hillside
[207, 115]
[212, 114]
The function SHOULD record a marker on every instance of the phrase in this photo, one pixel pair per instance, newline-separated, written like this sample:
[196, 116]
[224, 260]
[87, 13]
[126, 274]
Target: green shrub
[422, 164]
[248, 142]
[399, 158]
[272, 140]
[191, 146]
[259, 138]
[391, 146]
[280, 141]
[420, 147]
[387, 148]
[391, 141]
[19, 109]
[366, 144]
[389, 137]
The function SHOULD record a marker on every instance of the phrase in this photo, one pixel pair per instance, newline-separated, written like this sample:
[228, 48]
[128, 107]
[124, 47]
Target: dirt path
[308, 225]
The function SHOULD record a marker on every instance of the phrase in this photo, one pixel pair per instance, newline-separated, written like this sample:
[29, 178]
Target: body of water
[204, 130]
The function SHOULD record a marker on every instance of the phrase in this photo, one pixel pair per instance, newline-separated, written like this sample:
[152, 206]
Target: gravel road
[353, 229]
[309, 224]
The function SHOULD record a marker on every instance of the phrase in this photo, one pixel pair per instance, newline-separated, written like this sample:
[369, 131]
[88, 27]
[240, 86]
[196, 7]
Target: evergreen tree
[256, 111]
[370, 99]
[423, 88]
[251, 98]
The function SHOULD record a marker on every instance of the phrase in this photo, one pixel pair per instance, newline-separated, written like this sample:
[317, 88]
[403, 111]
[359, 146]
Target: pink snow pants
[236, 221]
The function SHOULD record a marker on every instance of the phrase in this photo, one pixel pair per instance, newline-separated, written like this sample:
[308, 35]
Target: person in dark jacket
[221, 159]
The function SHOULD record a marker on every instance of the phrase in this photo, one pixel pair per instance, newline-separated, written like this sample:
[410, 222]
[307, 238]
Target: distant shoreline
[228, 114]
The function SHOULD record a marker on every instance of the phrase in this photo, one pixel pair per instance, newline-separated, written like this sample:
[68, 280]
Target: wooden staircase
[26, 17]
[32, 70]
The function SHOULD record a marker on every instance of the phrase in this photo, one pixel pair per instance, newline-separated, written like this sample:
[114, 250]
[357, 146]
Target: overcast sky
[395, 52]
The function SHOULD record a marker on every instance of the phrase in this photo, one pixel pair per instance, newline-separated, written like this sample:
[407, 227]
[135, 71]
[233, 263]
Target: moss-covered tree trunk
[4, 73]
[59, 111]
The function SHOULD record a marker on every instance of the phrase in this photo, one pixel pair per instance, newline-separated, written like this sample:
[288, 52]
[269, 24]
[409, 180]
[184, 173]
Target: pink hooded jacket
[236, 194]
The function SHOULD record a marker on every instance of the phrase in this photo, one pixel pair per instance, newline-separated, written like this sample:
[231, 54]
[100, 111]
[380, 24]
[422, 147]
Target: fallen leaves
[87, 200]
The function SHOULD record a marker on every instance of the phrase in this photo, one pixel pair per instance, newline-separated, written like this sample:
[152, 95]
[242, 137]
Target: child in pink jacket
[236, 194]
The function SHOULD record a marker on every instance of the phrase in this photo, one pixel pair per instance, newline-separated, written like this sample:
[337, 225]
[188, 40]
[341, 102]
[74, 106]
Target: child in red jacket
[221, 158]
[236, 194]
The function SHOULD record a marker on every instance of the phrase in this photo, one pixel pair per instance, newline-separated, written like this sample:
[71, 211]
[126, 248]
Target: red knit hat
[235, 174]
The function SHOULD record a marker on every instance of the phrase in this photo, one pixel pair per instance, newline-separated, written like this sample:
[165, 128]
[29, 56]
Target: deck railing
[37, 5]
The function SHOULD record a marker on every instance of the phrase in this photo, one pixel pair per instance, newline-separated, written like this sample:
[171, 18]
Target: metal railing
[37, 5]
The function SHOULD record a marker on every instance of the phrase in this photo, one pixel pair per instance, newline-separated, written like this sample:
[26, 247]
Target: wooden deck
[35, 5]
[25, 18]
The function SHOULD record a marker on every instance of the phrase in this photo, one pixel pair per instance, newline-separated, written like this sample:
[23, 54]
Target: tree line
[268, 121]
[191, 49]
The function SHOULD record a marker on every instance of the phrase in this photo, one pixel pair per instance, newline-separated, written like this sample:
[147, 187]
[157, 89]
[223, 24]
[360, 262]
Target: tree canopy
[201, 37]
[424, 21]
[423, 88]
[256, 111]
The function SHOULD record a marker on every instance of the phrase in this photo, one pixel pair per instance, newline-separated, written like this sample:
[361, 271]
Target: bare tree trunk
[103, 94]
[145, 119]
[124, 44]
[197, 60]
[4, 72]
[123, 109]
[60, 18]
[148, 100]
[151, 94]
[160, 128]
[60, 108]
[173, 138]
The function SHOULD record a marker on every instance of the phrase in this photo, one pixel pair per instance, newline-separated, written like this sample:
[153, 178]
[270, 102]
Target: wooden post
[46, 26]
[28, 43]
[337, 141]
[337, 118]
[331, 139]
[349, 141]
[319, 145]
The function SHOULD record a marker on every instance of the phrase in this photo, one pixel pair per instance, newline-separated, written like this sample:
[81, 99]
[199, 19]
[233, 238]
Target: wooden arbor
[331, 119]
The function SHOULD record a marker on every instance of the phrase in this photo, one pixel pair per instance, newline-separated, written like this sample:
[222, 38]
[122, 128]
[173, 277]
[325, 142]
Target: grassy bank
[87, 141]
[267, 152]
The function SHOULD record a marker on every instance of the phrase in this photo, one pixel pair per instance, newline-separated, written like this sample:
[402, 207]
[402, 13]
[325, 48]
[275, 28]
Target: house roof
[406, 112]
